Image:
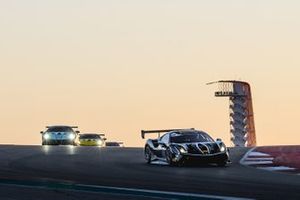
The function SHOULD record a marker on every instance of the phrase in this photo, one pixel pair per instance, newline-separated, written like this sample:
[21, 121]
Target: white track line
[178, 194]
[244, 160]
[278, 168]
[259, 159]
[257, 162]
[246, 155]
[127, 191]
[258, 154]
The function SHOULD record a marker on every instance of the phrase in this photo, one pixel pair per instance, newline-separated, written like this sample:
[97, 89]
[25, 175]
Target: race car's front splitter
[207, 158]
[59, 142]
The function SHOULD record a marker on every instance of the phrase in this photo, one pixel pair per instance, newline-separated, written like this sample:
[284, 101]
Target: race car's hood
[202, 147]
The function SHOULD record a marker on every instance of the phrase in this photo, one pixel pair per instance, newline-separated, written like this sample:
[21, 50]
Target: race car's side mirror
[41, 132]
[218, 140]
[104, 139]
[77, 132]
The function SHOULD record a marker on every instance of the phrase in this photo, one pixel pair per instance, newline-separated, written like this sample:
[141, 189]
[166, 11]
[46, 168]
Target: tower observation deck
[242, 127]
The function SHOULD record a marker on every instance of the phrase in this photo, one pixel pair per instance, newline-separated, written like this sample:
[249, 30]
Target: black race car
[114, 144]
[178, 146]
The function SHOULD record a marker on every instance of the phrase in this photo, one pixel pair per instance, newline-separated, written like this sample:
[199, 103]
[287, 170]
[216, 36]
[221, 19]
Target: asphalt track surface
[62, 172]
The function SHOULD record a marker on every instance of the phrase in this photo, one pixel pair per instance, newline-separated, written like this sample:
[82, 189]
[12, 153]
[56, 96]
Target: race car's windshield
[90, 136]
[60, 129]
[190, 137]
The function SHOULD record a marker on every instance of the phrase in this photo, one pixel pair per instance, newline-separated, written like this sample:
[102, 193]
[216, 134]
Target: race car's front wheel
[172, 159]
[148, 154]
[169, 157]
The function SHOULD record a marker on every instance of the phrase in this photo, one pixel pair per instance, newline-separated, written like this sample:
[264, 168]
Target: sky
[119, 66]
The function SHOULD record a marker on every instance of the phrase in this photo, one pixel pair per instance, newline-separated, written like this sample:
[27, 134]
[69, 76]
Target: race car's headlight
[222, 148]
[182, 150]
[100, 142]
[71, 136]
[46, 136]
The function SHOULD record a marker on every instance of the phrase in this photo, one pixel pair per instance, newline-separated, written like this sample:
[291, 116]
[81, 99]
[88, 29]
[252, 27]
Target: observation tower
[242, 127]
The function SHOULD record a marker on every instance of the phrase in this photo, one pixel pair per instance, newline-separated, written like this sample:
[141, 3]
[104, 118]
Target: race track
[61, 172]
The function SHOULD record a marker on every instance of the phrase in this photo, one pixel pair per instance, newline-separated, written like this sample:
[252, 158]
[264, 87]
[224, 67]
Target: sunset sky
[119, 66]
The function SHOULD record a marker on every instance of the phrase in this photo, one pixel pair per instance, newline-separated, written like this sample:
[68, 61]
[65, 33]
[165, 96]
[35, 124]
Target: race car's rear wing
[144, 132]
[63, 126]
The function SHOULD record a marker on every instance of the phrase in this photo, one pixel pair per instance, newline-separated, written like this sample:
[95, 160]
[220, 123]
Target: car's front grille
[207, 148]
[204, 149]
[192, 148]
[213, 147]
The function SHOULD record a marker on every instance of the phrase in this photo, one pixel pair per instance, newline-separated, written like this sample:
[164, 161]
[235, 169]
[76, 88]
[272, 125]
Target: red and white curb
[265, 161]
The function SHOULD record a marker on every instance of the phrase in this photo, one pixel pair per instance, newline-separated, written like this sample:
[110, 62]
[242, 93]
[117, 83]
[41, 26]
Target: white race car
[59, 135]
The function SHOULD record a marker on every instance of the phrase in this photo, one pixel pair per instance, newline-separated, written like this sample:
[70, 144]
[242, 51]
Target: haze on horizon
[121, 66]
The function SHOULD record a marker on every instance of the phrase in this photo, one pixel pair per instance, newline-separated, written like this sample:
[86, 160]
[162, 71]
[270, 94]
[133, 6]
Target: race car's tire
[148, 154]
[169, 157]
[171, 162]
